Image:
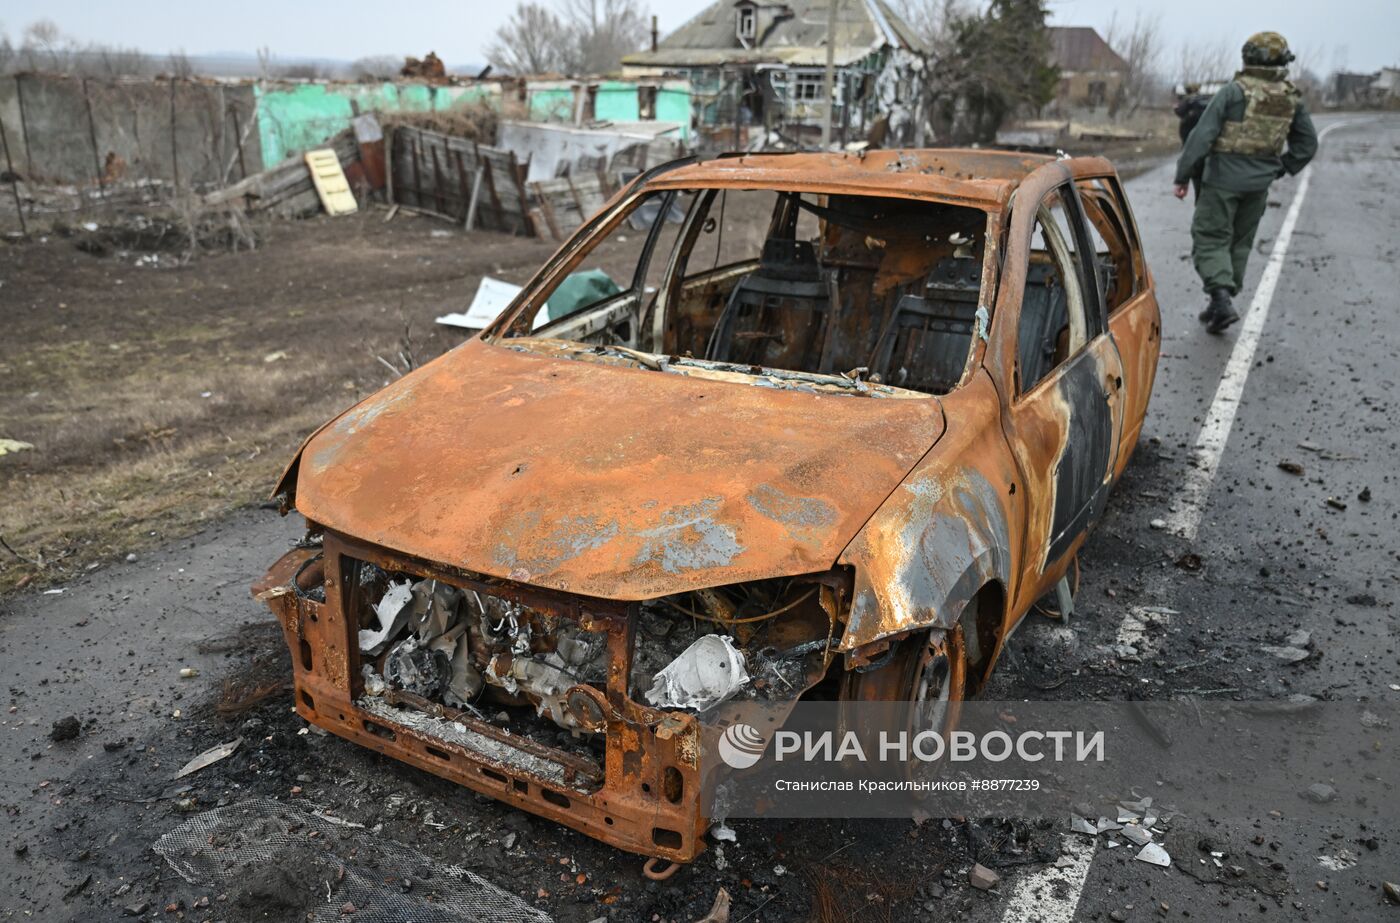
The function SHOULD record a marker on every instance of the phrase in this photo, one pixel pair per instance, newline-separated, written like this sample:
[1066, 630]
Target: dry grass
[161, 398]
[476, 121]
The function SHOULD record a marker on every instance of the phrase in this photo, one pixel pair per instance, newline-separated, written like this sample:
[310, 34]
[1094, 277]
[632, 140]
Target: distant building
[1380, 89]
[1091, 73]
[581, 102]
[759, 65]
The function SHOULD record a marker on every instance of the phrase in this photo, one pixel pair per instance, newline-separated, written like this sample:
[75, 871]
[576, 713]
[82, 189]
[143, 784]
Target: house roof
[1081, 48]
[791, 33]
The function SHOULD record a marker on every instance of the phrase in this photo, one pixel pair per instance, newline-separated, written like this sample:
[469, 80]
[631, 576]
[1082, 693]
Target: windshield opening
[874, 289]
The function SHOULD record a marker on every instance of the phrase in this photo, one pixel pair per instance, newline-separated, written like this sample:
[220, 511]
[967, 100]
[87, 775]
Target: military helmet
[1268, 49]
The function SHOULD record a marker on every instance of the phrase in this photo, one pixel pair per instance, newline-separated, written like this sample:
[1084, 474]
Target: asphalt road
[1275, 556]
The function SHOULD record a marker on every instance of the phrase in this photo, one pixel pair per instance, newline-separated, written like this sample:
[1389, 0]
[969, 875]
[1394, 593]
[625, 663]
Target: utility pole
[829, 83]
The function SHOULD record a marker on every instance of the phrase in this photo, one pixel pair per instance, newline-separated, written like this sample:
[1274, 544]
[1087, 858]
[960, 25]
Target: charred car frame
[850, 417]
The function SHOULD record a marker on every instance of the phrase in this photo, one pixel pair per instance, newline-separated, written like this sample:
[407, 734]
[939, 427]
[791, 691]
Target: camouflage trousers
[1222, 234]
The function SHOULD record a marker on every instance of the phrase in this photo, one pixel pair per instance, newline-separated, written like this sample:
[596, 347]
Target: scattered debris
[722, 831]
[65, 729]
[1392, 891]
[1365, 495]
[1294, 648]
[1291, 467]
[1078, 824]
[11, 446]
[1336, 504]
[983, 878]
[1338, 861]
[1137, 835]
[209, 757]
[705, 674]
[719, 910]
[392, 610]
[291, 864]
[1190, 561]
[1158, 524]
[188, 672]
[1320, 793]
[492, 297]
[1153, 854]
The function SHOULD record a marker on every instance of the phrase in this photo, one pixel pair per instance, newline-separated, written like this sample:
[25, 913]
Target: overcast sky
[1353, 34]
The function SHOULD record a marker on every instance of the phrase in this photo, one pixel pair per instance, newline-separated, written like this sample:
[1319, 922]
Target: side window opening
[1055, 322]
[600, 300]
[1115, 260]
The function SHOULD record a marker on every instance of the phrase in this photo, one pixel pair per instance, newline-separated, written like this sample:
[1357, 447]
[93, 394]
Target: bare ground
[160, 393]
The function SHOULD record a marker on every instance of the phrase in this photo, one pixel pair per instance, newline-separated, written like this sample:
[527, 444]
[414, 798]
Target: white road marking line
[1185, 519]
[1050, 894]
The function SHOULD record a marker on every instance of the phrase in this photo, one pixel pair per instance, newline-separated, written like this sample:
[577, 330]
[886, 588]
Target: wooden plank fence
[285, 189]
[437, 173]
[567, 202]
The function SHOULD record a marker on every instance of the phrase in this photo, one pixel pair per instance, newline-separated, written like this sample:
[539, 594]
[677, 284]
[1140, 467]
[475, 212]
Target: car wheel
[1048, 605]
[923, 680]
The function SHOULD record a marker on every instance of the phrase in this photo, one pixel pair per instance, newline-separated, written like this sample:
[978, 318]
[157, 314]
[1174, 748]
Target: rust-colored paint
[620, 483]
[588, 487]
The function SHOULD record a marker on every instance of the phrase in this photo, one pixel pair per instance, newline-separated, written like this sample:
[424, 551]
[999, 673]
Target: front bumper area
[643, 796]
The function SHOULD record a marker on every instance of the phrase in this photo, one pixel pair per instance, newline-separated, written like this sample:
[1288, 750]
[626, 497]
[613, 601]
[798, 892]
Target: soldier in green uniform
[1254, 130]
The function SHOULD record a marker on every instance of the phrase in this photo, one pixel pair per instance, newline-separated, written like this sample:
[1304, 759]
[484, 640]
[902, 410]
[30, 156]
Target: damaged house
[1092, 74]
[758, 67]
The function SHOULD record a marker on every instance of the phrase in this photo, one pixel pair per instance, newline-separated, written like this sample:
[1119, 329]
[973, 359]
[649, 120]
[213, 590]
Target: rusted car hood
[612, 482]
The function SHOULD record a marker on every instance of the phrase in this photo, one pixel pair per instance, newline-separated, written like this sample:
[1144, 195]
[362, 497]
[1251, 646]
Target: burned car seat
[1044, 323]
[776, 314]
[926, 342]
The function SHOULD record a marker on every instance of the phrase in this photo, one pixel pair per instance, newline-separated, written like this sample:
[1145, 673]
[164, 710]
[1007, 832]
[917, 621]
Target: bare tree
[305, 71]
[573, 37]
[264, 62]
[115, 61]
[376, 67]
[1139, 44]
[933, 19]
[533, 41]
[1206, 62]
[602, 31]
[8, 55]
[45, 47]
[1305, 71]
[178, 65]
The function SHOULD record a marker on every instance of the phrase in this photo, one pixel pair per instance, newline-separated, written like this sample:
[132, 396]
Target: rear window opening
[833, 290]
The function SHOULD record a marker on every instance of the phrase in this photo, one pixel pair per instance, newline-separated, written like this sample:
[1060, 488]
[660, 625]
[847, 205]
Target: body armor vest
[1268, 114]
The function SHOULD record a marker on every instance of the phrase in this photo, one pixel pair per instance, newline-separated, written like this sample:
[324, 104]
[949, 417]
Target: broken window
[746, 23]
[602, 299]
[646, 103]
[808, 86]
[1057, 313]
[859, 288]
[1117, 261]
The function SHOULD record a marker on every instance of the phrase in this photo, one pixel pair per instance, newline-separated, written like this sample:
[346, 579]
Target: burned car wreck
[845, 420]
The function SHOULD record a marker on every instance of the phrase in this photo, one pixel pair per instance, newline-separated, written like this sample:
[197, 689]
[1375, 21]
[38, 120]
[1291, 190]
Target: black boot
[1220, 313]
